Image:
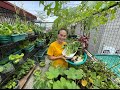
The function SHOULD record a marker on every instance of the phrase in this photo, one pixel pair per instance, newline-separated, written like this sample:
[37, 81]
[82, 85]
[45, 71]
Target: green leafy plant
[65, 84]
[52, 73]
[42, 64]
[89, 14]
[97, 75]
[6, 29]
[24, 69]
[40, 83]
[72, 73]
[8, 67]
[1, 68]
[90, 75]
[71, 47]
[37, 72]
[11, 84]
[16, 58]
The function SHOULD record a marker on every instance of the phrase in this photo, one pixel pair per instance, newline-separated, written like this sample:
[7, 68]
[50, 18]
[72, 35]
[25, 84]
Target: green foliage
[40, 83]
[16, 58]
[26, 44]
[74, 74]
[37, 72]
[54, 72]
[16, 28]
[82, 12]
[95, 74]
[5, 29]
[71, 47]
[1, 68]
[24, 69]
[65, 84]
[99, 74]
[8, 67]
[42, 64]
[10, 85]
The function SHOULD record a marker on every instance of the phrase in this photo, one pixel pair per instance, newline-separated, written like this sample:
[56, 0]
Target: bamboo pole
[90, 55]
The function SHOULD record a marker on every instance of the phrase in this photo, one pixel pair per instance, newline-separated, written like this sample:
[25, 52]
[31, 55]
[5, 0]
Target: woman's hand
[62, 57]
[58, 57]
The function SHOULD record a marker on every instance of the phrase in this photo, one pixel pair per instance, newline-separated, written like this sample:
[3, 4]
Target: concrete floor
[29, 84]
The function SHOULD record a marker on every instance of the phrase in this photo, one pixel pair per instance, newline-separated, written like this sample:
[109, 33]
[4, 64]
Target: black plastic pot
[17, 86]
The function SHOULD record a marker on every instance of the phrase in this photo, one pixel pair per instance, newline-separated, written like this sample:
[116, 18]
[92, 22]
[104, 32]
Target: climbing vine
[92, 13]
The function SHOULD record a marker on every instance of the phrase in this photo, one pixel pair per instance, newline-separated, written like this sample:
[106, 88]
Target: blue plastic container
[76, 64]
[110, 60]
[39, 56]
[18, 52]
[18, 37]
[5, 39]
[29, 48]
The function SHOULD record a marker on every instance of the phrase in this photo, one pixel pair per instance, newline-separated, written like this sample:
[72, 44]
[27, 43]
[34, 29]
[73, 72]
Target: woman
[55, 50]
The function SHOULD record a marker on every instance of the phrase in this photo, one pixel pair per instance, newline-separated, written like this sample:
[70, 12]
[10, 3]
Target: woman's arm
[58, 57]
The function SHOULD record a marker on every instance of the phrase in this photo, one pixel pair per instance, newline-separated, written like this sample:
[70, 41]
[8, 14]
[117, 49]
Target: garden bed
[90, 75]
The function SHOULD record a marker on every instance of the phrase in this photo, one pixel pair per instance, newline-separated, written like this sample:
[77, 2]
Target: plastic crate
[110, 60]
[39, 44]
[5, 39]
[18, 37]
[39, 56]
[4, 61]
[18, 52]
[29, 48]
[8, 67]
[76, 64]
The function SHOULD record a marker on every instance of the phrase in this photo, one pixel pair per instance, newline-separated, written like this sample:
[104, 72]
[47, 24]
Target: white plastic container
[70, 56]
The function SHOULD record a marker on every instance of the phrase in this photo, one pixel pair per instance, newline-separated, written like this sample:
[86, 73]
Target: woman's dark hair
[62, 29]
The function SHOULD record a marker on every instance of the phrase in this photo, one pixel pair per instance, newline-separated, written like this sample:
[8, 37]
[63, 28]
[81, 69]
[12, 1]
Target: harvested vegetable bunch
[71, 47]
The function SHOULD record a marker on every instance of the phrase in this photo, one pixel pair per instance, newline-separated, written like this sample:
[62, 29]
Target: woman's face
[62, 36]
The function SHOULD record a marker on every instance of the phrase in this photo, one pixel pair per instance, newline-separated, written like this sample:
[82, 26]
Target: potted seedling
[42, 64]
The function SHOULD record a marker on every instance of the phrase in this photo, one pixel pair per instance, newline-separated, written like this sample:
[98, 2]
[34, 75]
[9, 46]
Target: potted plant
[12, 84]
[5, 33]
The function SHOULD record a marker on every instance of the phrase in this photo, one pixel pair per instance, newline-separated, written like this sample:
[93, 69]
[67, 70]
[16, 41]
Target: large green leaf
[56, 6]
[72, 73]
[54, 72]
[93, 75]
[91, 4]
[103, 6]
[98, 5]
[65, 84]
[41, 2]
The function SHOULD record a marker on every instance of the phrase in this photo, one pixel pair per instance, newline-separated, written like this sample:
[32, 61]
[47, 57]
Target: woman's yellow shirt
[55, 49]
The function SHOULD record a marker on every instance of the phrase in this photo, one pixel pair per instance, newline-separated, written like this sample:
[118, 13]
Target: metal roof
[10, 6]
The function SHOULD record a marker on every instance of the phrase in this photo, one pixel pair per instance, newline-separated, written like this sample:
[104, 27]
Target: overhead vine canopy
[91, 13]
